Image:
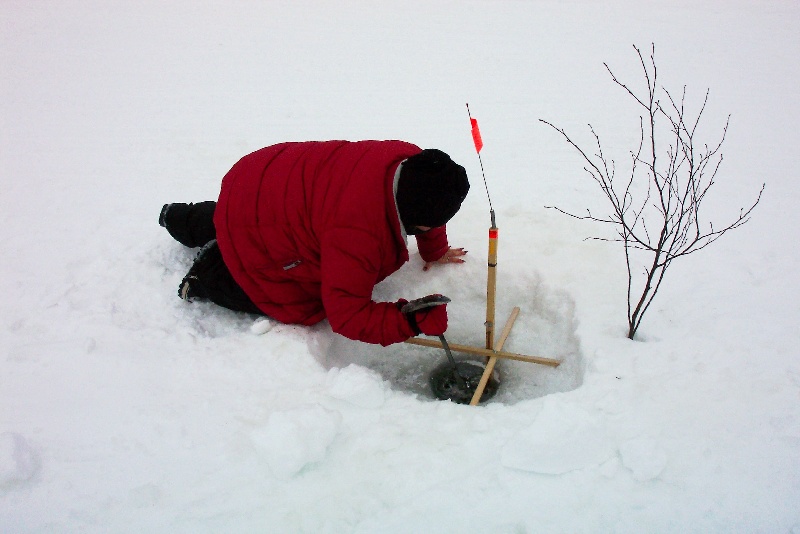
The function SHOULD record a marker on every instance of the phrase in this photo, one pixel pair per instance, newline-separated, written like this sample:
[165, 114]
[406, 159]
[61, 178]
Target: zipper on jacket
[292, 265]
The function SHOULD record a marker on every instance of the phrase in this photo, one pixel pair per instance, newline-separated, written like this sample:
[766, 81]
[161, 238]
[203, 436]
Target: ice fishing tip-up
[493, 350]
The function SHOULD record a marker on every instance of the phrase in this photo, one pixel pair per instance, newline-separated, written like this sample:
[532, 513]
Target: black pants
[209, 278]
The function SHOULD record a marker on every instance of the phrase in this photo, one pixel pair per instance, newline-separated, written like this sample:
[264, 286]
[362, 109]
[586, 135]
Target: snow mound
[546, 326]
[562, 438]
[295, 438]
[18, 460]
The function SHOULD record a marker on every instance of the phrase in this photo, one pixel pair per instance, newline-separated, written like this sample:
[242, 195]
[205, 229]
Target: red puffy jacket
[308, 229]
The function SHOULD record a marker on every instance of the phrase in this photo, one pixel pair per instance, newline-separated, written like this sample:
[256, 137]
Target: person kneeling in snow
[304, 231]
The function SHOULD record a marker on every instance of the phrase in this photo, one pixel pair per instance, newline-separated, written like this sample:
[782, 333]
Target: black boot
[191, 286]
[209, 278]
[191, 225]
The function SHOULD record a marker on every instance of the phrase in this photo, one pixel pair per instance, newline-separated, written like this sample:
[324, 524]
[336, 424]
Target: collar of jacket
[396, 207]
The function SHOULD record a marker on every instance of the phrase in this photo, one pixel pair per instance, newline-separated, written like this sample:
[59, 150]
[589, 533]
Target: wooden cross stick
[480, 351]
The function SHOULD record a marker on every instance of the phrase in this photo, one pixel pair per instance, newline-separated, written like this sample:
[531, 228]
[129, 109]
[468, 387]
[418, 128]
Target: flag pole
[491, 286]
[491, 279]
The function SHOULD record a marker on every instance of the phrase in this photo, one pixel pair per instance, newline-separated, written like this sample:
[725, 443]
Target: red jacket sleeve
[433, 243]
[349, 275]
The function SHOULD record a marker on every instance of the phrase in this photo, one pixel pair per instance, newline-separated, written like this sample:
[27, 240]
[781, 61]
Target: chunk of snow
[261, 326]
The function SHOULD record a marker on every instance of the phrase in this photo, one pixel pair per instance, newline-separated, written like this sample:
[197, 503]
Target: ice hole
[546, 326]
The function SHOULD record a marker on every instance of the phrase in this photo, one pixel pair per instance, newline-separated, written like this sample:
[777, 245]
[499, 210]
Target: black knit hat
[431, 189]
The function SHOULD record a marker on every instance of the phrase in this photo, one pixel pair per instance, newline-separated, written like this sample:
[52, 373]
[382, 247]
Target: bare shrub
[655, 208]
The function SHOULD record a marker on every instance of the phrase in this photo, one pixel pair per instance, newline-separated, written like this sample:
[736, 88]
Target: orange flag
[476, 135]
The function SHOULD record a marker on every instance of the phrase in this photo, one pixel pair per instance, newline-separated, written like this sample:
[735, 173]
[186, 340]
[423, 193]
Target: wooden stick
[478, 351]
[487, 373]
[507, 328]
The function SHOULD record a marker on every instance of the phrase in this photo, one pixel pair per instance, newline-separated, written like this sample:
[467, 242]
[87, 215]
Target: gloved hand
[427, 315]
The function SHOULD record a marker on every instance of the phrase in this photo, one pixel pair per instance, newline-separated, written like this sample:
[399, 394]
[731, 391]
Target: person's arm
[433, 244]
[350, 263]
[434, 248]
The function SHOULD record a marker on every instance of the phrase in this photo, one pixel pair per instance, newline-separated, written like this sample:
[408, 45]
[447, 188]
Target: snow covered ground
[123, 409]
